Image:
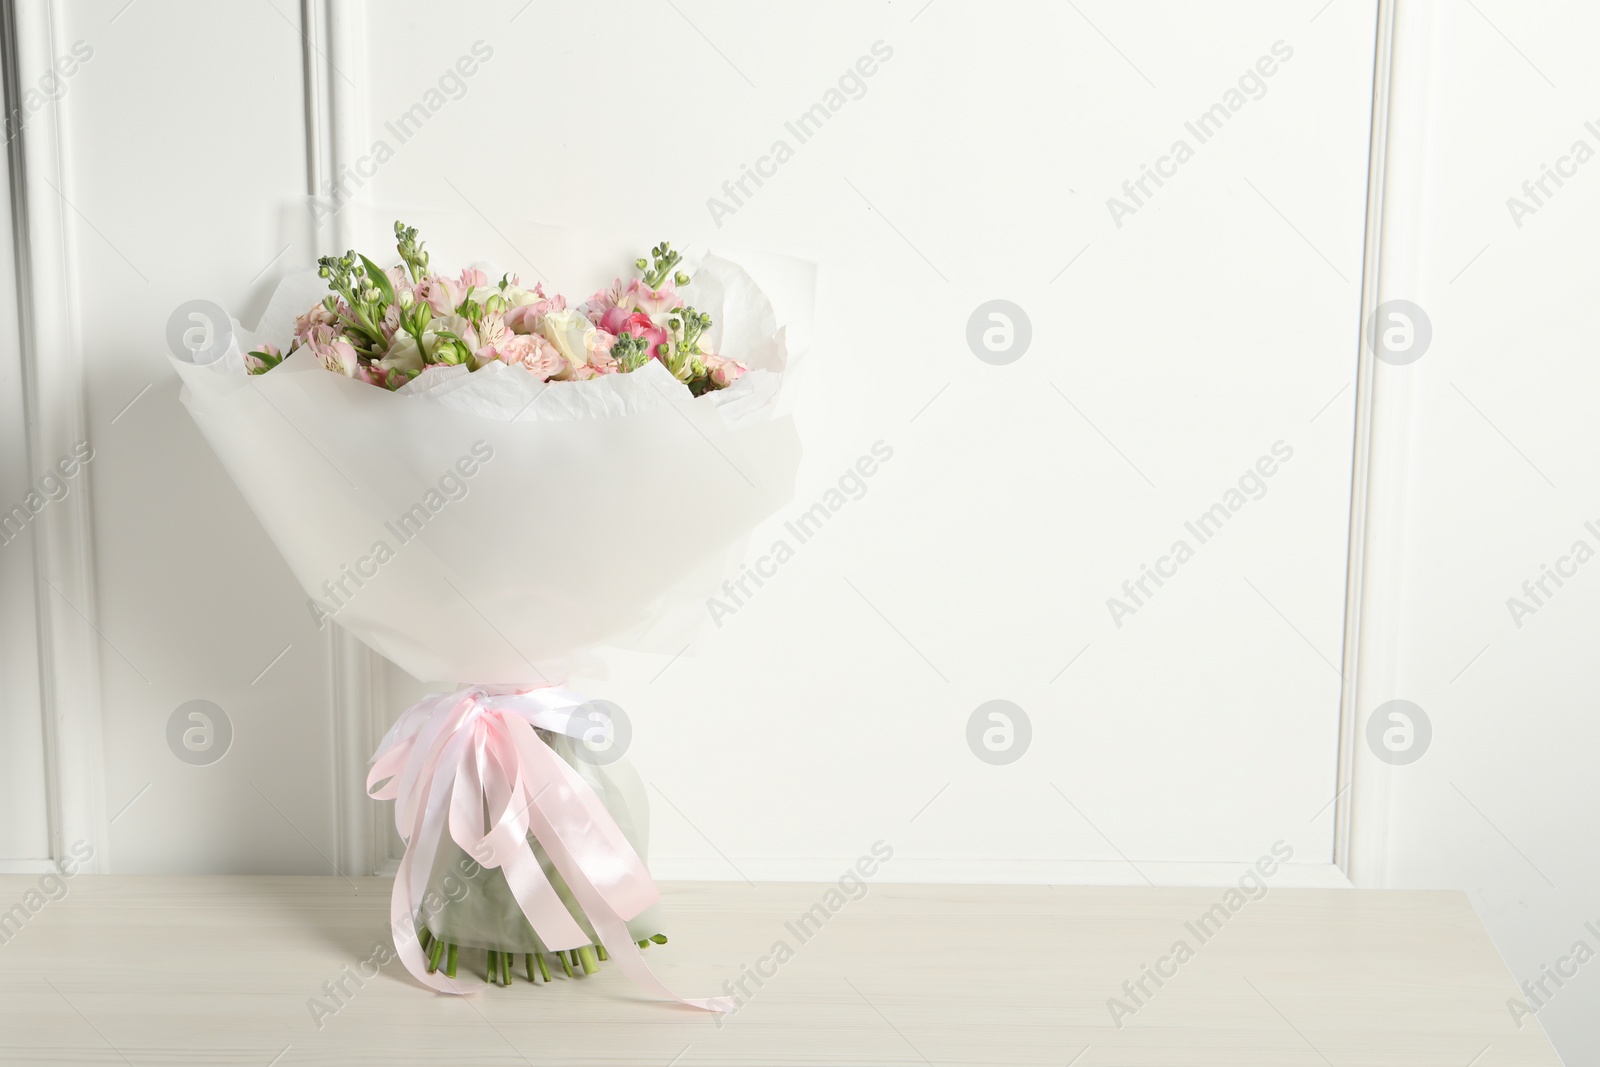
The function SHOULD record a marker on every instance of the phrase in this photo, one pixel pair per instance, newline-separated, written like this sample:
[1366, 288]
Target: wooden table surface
[130, 970]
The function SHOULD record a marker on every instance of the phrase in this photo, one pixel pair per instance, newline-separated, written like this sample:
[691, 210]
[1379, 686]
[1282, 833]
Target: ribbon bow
[450, 756]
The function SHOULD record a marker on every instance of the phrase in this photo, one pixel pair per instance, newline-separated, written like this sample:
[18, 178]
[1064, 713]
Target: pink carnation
[533, 352]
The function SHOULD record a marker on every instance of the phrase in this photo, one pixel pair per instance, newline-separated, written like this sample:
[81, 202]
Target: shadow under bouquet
[481, 481]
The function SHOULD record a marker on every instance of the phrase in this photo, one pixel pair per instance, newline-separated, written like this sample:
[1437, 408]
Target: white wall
[1171, 350]
[163, 138]
[1499, 479]
[1194, 336]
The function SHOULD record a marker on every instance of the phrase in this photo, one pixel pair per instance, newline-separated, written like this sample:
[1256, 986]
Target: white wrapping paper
[483, 527]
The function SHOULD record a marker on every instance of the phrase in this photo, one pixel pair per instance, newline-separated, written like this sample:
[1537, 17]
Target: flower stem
[505, 968]
[543, 968]
[587, 958]
[527, 963]
[601, 951]
[566, 964]
[494, 967]
[434, 955]
[450, 963]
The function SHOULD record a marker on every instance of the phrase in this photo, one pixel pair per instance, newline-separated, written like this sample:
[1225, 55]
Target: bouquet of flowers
[531, 480]
[385, 327]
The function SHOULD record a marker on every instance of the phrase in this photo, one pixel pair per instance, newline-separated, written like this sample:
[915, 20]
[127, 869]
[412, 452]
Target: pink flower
[617, 321]
[492, 332]
[444, 295]
[317, 315]
[254, 364]
[604, 301]
[390, 323]
[523, 319]
[533, 352]
[374, 375]
[723, 372]
[334, 352]
[630, 297]
[641, 297]
[422, 289]
[600, 353]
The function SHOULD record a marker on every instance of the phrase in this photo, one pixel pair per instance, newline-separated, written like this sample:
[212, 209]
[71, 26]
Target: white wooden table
[209, 971]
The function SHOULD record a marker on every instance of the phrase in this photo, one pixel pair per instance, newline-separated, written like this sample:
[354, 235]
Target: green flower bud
[681, 278]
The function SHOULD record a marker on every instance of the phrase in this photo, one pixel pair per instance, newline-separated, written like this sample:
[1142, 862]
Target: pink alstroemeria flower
[605, 300]
[641, 297]
[390, 322]
[492, 332]
[333, 351]
[254, 363]
[316, 315]
[446, 294]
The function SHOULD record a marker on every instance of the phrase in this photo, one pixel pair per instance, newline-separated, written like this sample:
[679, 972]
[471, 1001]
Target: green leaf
[380, 279]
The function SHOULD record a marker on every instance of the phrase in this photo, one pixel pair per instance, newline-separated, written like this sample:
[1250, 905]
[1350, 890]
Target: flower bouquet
[489, 483]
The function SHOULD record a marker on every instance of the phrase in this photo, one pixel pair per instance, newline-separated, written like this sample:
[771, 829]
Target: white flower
[572, 334]
[404, 354]
[516, 296]
[462, 327]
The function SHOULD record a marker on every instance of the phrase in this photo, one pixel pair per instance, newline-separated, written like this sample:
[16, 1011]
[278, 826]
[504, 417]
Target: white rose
[516, 296]
[572, 334]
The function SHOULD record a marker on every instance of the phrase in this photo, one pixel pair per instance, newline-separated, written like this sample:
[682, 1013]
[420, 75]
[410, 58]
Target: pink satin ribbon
[449, 756]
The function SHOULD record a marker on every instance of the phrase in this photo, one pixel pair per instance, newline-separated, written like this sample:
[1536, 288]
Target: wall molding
[1401, 118]
[44, 230]
[335, 114]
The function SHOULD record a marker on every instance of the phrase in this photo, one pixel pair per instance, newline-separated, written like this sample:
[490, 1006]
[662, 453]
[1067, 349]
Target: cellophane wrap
[484, 529]
[480, 910]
